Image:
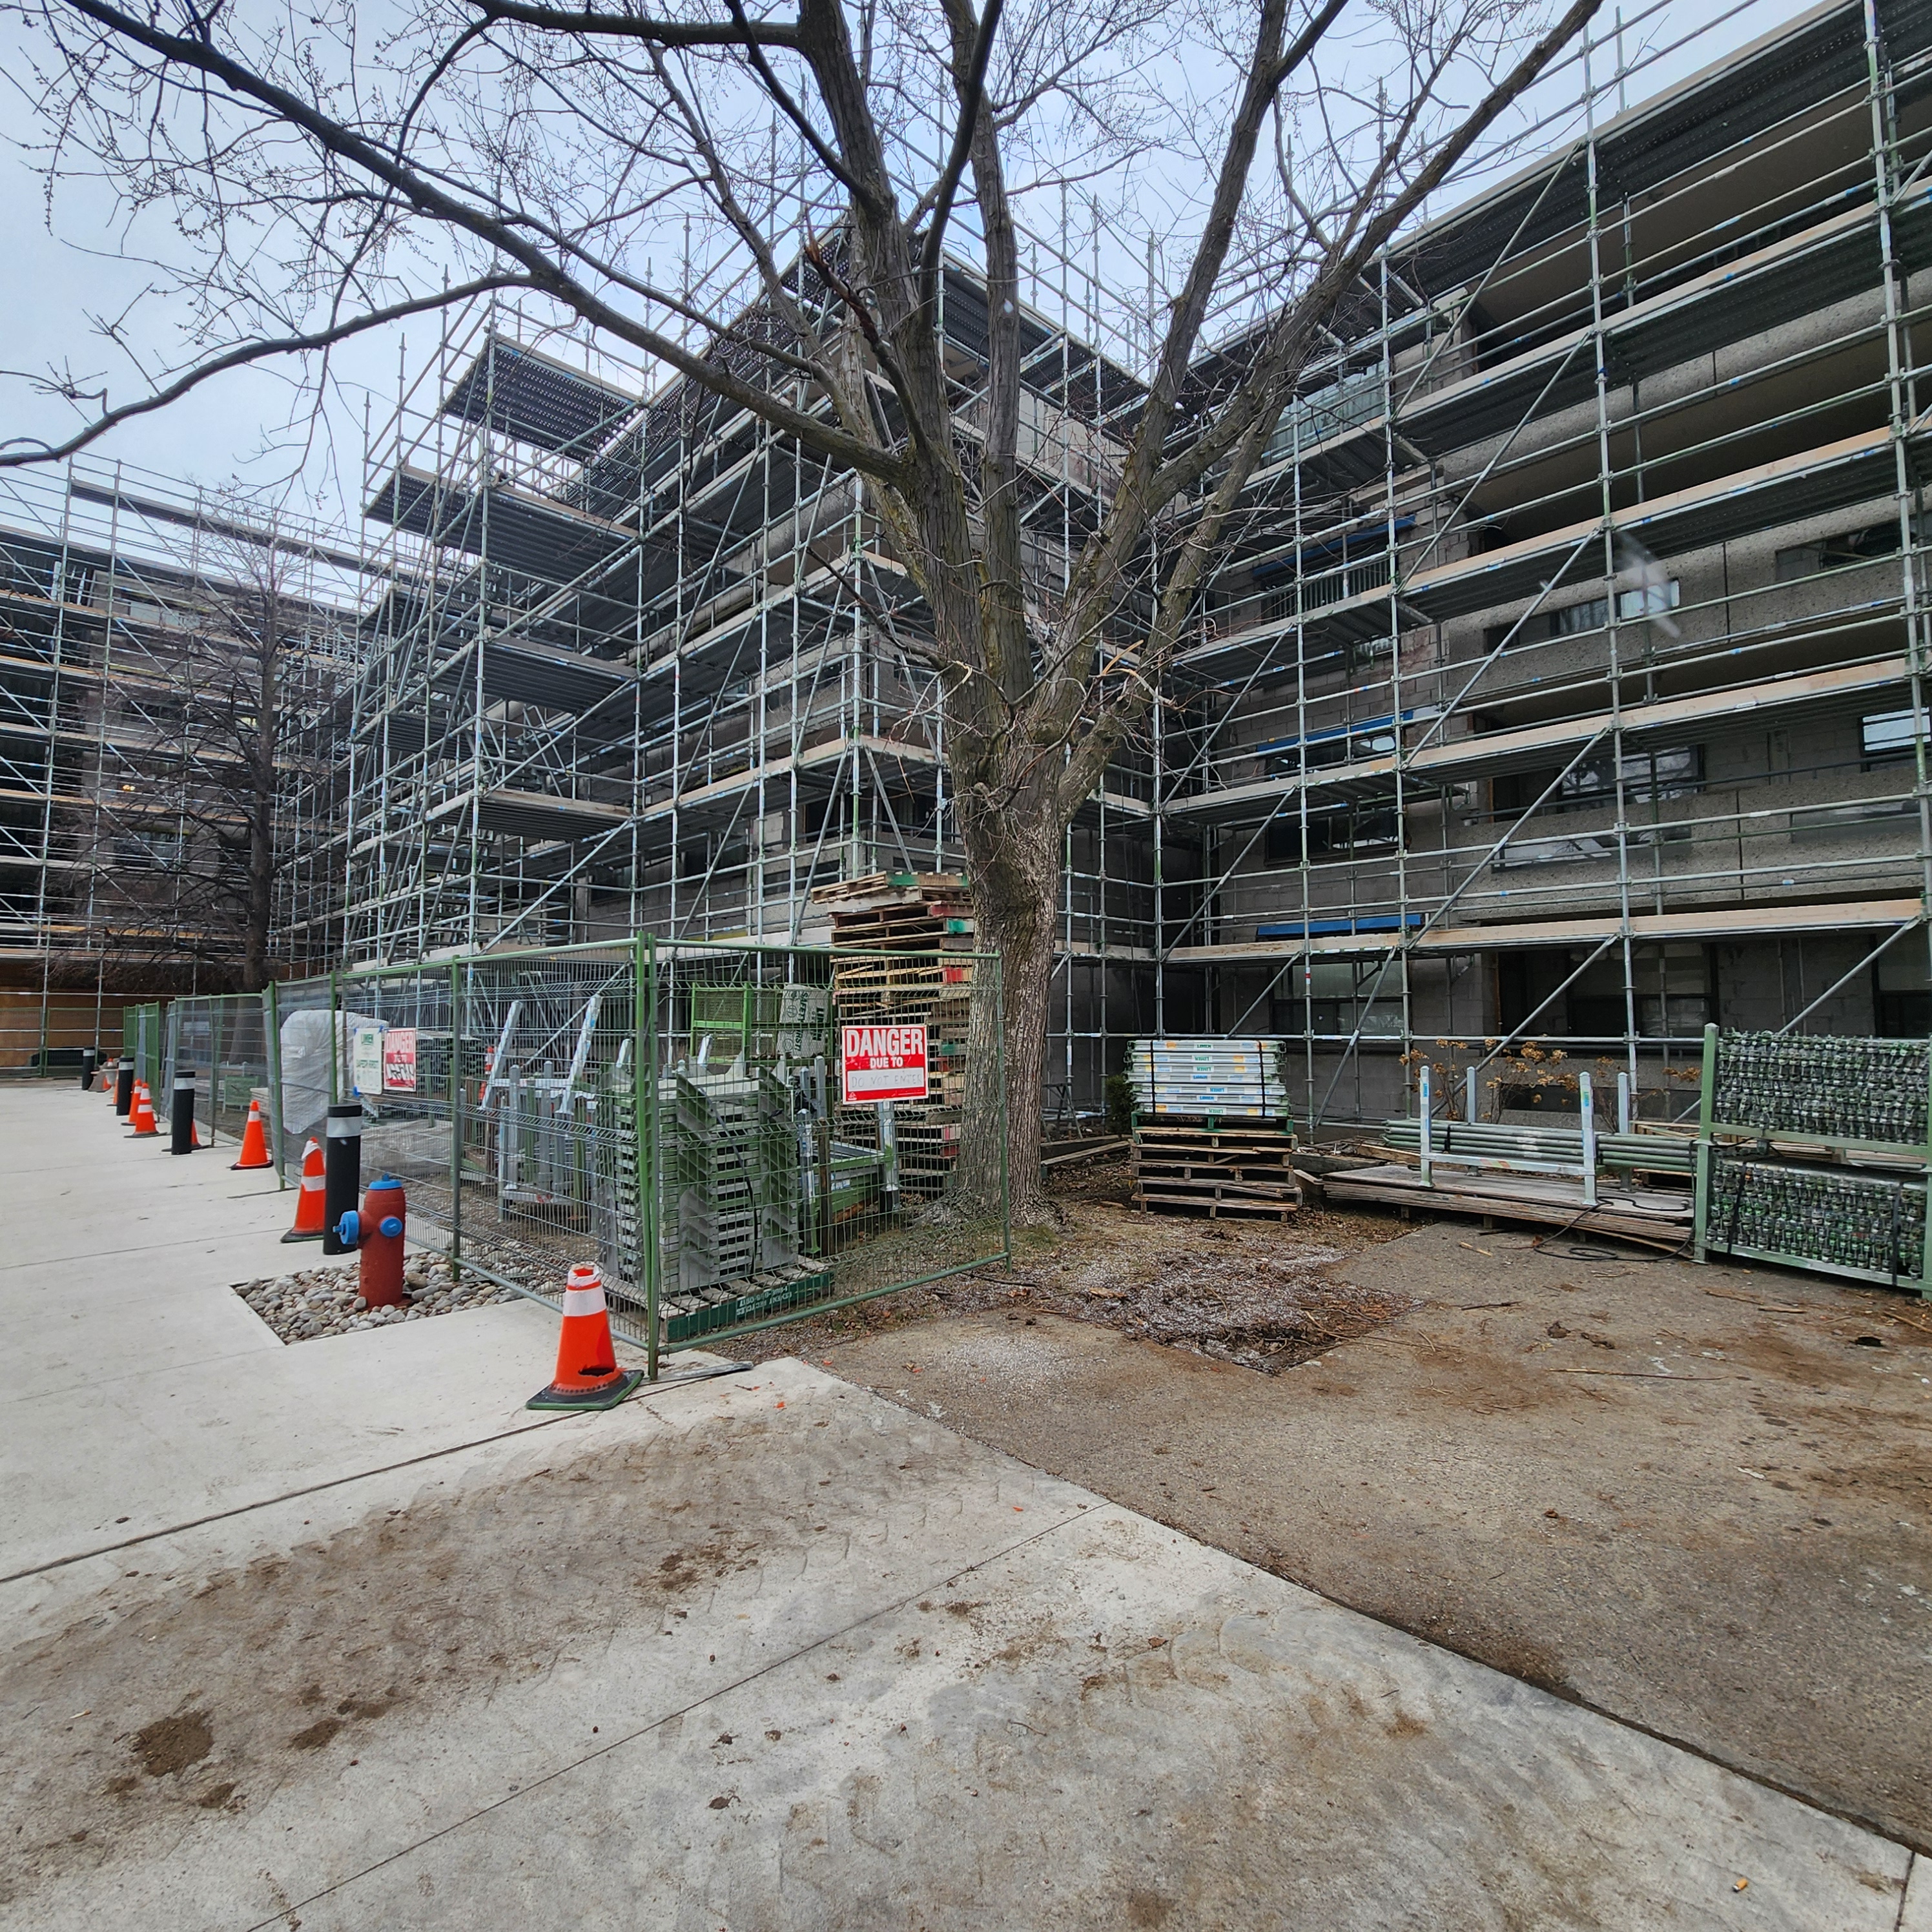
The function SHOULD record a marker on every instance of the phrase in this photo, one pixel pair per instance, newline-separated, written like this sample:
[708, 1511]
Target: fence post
[217, 1011]
[455, 1120]
[335, 1042]
[644, 1129]
[272, 1058]
[1586, 1107]
[1425, 1107]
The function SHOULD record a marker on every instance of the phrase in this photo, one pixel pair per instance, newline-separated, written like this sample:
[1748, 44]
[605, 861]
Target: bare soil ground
[1254, 1292]
[1698, 1498]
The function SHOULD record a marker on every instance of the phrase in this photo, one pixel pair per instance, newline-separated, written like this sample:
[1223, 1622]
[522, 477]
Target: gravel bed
[313, 1302]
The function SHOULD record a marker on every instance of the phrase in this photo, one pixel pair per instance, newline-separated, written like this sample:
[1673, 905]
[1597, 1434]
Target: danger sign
[882, 1063]
[399, 1060]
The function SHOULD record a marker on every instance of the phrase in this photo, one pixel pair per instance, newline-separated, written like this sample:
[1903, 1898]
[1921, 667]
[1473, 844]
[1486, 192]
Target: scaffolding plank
[532, 535]
[530, 815]
[523, 393]
[1772, 917]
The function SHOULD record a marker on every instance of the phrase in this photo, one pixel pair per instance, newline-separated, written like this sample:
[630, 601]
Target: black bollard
[124, 1089]
[181, 1119]
[341, 1172]
[89, 1060]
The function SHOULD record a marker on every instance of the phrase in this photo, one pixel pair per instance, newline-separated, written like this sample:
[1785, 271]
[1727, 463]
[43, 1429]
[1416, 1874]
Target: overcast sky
[237, 428]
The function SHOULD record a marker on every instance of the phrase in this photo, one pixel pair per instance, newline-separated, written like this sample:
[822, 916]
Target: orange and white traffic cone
[143, 1113]
[254, 1140]
[309, 1215]
[587, 1374]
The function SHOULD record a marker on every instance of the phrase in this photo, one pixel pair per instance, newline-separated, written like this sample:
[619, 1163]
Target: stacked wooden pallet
[1244, 1173]
[925, 914]
[920, 924]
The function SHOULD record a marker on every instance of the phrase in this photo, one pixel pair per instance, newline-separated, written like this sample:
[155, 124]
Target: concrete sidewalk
[139, 1393]
[764, 1651]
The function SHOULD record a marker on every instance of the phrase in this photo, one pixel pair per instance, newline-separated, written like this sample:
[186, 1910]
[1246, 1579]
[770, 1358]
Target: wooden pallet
[898, 974]
[926, 937]
[881, 885]
[1216, 1171]
[1217, 1204]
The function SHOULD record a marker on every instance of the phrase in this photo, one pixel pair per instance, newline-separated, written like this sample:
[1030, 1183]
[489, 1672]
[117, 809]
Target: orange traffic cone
[143, 1113]
[587, 1374]
[254, 1140]
[308, 1200]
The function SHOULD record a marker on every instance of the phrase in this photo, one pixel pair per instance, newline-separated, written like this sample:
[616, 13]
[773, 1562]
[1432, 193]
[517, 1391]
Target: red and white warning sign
[399, 1060]
[882, 1063]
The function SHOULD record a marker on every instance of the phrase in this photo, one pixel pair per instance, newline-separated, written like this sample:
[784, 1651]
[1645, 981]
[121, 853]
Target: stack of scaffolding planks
[1645, 1214]
[1244, 1173]
[1211, 1130]
[921, 925]
[1532, 1173]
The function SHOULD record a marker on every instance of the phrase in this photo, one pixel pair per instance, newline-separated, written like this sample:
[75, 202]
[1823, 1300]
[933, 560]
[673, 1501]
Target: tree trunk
[1014, 860]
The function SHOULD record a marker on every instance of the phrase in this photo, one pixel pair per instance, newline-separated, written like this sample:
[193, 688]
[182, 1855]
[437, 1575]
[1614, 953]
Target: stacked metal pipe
[1872, 1090]
[1861, 1221]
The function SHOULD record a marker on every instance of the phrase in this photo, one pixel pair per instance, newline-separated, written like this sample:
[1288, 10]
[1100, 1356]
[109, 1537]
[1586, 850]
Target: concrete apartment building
[135, 618]
[1573, 688]
[1564, 684]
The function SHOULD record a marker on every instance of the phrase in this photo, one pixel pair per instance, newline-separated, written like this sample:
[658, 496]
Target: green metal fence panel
[221, 1039]
[783, 1184]
[674, 1114]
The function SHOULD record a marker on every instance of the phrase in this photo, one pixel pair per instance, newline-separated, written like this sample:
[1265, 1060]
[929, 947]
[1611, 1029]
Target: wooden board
[879, 884]
[1551, 1205]
[1219, 1206]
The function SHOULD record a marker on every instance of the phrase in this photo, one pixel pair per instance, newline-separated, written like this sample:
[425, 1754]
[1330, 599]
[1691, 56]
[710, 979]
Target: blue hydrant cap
[391, 1224]
[349, 1229]
[387, 1181]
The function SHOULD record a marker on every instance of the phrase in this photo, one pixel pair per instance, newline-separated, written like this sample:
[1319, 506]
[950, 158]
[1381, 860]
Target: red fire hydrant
[377, 1231]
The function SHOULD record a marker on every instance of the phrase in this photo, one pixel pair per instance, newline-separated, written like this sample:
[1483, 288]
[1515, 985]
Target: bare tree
[213, 721]
[233, 777]
[327, 186]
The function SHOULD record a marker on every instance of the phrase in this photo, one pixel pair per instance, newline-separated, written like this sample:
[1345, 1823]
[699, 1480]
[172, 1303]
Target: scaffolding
[1560, 690]
[1565, 691]
[645, 663]
[136, 616]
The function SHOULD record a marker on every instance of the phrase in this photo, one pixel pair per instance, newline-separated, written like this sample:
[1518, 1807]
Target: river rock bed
[313, 1302]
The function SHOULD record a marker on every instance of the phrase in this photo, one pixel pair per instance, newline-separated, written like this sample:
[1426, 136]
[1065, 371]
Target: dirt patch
[1268, 1295]
[310, 1656]
[1719, 1527]
[170, 1744]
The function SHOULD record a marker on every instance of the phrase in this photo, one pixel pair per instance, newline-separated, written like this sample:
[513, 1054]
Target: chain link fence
[691, 1117]
[225, 1041]
[143, 1030]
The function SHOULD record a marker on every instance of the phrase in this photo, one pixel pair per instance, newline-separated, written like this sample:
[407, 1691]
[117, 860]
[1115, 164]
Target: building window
[1839, 553]
[1902, 991]
[1281, 843]
[1576, 620]
[1670, 987]
[1673, 772]
[1886, 738]
[1352, 830]
[1330, 998]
